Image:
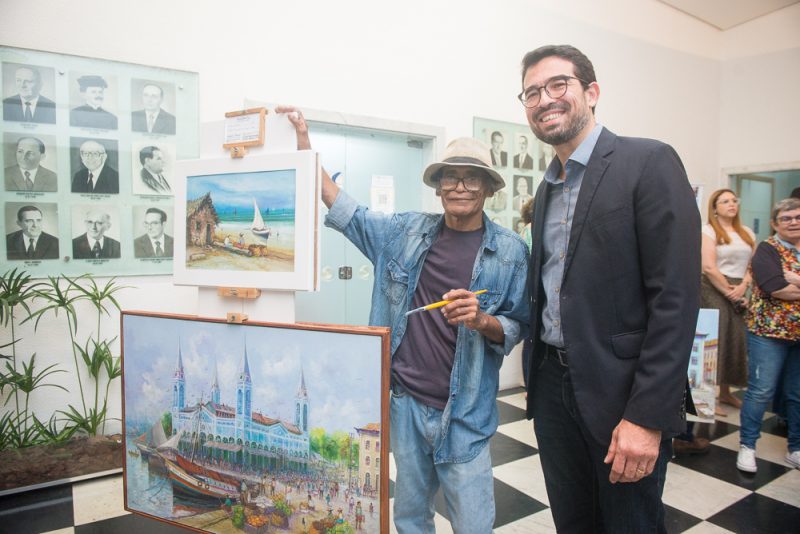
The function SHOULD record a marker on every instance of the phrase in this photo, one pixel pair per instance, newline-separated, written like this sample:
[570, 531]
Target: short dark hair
[161, 213]
[581, 66]
[147, 153]
[38, 142]
[795, 193]
[23, 209]
[496, 133]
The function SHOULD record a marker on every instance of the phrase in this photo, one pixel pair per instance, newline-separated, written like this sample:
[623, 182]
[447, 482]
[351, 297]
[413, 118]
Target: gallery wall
[662, 74]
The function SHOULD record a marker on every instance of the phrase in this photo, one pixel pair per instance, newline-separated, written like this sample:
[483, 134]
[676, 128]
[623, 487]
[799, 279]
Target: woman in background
[527, 219]
[773, 336]
[727, 246]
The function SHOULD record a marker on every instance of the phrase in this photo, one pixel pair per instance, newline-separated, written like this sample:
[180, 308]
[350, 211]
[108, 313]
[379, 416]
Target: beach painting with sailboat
[241, 221]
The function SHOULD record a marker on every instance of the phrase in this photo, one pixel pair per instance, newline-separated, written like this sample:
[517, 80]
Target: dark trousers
[581, 497]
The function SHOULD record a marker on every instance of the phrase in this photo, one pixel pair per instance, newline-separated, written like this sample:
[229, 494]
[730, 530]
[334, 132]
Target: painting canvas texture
[254, 428]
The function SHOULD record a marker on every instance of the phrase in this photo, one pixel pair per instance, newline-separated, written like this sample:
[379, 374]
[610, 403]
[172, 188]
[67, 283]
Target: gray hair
[787, 204]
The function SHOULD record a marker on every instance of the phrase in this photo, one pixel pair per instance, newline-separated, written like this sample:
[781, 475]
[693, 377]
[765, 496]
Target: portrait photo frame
[248, 222]
[255, 426]
[56, 172]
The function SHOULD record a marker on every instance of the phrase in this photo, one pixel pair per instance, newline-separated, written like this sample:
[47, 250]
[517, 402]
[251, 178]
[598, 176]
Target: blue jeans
[582, 499]
[468, 487]
[770, 361]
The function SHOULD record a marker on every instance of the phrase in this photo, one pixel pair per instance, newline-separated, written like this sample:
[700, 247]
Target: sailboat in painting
[258, 227]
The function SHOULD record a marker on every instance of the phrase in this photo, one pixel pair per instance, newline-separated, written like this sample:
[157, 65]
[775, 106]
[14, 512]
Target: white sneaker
[793, 458]
[746, 460]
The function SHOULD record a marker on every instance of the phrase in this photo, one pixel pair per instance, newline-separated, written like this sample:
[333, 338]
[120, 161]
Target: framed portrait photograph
[32, 231]
[153, 107]
[255, 427]
[28, 93]
[93, 101]
[522, 152]
[31, 163]
[153, 232]
[523, 192]
[96, 232]
[94, 166]
[248, 222]
[153, 167]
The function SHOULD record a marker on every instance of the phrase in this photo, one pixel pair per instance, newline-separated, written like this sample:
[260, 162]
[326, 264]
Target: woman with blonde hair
[727, 246]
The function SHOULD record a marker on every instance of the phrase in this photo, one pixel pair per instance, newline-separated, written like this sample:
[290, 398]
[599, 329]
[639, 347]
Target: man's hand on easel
[295, 116]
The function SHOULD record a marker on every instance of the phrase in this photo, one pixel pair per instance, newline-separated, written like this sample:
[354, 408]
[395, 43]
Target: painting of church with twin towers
[228, 425]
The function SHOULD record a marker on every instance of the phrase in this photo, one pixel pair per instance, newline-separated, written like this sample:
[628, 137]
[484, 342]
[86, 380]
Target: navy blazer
[46, 247]
[630, 294]
[45, 112]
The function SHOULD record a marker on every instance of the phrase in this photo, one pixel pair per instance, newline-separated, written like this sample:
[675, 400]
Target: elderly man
[615, 293]
[153, 118]
[29, 105]
[91, 114]
[30, 242]
[154, 243]
[28, 174]
[95, 176]
[445, 363]
[152, 173]
[95, 243]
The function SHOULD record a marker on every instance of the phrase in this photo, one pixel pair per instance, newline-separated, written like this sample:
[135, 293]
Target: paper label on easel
[242, 128]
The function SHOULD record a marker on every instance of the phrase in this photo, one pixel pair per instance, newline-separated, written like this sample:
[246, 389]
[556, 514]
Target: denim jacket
[397, 245]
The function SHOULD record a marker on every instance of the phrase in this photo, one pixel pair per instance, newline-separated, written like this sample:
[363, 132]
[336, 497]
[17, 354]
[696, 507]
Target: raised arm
[329, 189]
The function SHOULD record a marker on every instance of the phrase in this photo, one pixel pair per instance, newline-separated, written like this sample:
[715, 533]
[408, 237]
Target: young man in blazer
[614, 300]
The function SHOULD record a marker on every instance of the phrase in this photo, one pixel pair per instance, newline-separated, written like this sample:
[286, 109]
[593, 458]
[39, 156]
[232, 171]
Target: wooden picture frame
[244, 128]
[249, 222]
[257, 426]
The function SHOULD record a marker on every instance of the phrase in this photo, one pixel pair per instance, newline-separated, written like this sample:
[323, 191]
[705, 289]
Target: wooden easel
[243, 129]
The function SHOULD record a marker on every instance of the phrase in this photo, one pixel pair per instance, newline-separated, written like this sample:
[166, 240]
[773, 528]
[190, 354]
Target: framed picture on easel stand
[249, 222]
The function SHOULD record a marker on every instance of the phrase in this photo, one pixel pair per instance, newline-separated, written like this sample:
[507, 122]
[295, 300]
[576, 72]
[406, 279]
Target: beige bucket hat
[465, 152]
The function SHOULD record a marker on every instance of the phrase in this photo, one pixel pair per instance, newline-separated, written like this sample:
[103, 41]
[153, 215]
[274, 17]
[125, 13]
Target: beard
[568, 131]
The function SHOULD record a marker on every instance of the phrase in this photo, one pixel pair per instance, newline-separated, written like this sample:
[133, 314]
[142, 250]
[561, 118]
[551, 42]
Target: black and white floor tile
[703, 495]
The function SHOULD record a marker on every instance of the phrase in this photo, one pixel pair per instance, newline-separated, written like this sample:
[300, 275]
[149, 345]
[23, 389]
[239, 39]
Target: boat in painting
[258, 227]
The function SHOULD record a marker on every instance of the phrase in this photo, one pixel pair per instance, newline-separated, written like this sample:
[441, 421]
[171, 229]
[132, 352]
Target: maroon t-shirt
[424, 359]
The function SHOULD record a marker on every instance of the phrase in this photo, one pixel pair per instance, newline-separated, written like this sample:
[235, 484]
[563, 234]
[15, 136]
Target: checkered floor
[704, 494]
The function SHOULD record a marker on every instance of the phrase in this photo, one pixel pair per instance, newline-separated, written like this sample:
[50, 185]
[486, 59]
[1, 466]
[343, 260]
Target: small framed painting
[255, 427]
[248, 222]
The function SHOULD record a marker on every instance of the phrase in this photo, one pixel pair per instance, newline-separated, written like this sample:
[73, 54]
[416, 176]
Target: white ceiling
[725, 14]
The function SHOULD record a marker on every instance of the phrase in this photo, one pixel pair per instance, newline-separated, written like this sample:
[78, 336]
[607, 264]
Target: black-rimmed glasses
[555, 87]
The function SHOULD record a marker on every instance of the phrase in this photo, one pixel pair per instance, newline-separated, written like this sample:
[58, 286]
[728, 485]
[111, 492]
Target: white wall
[662, 74]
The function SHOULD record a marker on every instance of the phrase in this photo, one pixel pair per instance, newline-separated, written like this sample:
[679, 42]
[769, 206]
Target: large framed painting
[255, 427]
[249, 222]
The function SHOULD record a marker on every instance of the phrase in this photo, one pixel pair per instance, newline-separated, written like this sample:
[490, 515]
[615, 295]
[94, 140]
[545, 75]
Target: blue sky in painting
[342, 371]
[708, 323]
[271, 189]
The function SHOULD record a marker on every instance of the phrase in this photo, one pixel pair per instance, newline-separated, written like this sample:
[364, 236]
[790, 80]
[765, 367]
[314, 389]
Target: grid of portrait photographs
[89, 152]
[521, 159]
